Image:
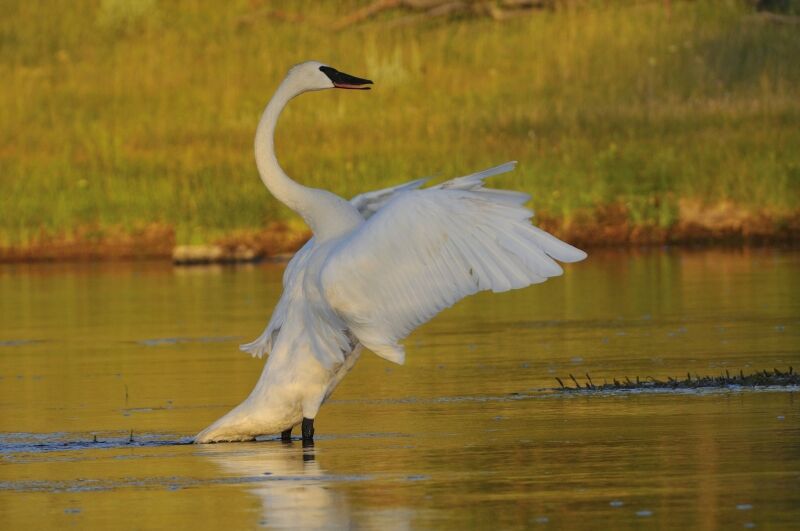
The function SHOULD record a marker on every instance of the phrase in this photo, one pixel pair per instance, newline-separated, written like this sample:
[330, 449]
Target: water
[466, 435]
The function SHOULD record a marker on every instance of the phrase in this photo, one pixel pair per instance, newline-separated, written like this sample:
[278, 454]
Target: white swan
[377, 267]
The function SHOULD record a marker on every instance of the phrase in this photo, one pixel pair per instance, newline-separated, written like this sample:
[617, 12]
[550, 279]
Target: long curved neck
[327, 215]
[287, 191]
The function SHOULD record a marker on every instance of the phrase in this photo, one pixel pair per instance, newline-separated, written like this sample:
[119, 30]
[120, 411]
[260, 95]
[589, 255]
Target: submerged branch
[757, 379]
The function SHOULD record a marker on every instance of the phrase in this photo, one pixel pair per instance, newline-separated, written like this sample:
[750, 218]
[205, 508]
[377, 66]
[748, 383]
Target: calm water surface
[465, 435]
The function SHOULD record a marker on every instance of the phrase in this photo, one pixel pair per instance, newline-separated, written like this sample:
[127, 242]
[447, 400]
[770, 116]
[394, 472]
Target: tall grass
[117, 114]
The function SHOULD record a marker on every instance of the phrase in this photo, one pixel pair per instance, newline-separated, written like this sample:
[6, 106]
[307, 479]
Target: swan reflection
[295, 491]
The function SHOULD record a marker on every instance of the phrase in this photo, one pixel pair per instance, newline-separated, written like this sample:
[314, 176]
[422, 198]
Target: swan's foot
[286, 435]
[308, 430]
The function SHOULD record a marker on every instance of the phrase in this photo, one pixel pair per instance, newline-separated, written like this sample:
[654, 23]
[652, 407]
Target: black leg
[308, 429]
[286, 435]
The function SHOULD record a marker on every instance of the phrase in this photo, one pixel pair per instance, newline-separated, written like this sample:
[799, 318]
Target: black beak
[345, 81]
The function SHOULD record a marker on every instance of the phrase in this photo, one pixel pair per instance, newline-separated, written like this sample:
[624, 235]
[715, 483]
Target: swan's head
[313, 75]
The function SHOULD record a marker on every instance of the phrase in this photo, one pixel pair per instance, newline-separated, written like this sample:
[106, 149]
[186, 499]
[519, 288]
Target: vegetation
[120, 116]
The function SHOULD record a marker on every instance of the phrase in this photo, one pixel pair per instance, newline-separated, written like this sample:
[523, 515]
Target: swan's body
[377, 267]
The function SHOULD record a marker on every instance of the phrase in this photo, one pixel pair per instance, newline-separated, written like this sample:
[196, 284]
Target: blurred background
[126, 130]
[127, 125]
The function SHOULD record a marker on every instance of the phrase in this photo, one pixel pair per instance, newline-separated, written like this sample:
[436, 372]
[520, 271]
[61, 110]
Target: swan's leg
[286, 435]
[312, 404]
[308, 429]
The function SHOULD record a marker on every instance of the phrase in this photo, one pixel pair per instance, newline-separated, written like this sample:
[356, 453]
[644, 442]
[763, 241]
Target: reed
[118, 115]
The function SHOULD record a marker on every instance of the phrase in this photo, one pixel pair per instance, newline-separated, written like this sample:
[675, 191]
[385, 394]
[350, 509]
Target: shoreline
[278, 242]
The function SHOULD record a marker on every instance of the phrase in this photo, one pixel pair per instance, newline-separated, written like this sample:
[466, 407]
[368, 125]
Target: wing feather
[427, 249]
[367, 204]
[292, 279]
[370, 202]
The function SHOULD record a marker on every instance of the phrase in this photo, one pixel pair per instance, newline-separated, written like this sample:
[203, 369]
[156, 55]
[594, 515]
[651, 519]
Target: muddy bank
[94, 243]
[720, 223]
[610, 225]
[157, 242]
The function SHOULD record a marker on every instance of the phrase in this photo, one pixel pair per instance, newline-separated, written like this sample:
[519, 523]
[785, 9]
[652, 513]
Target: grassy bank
[648, 118]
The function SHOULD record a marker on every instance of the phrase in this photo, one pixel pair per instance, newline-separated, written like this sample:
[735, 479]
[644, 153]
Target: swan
[377, 267]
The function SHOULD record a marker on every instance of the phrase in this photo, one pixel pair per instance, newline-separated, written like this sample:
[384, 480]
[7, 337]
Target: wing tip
[394, 353]
[576, 255]
[497, 170]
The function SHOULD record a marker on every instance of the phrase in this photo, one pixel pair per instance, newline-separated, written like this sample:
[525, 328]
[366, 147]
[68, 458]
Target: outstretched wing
[427, 249]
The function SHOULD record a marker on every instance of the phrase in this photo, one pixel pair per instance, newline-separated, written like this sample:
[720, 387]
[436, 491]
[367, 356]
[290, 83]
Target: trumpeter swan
[377, 267]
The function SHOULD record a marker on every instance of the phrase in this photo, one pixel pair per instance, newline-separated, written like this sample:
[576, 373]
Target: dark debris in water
[775, 378]
[12, 444]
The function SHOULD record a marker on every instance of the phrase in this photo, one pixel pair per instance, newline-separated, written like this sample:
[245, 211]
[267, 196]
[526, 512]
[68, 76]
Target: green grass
[120, 114]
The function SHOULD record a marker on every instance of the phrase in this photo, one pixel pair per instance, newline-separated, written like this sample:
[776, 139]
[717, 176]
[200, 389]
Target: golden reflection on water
[295, 491]
[460, 437]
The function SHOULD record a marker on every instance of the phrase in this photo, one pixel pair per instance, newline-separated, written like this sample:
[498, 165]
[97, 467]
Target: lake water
[468, 434]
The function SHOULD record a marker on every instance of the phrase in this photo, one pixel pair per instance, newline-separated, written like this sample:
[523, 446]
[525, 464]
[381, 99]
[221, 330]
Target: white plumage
[377, 267]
